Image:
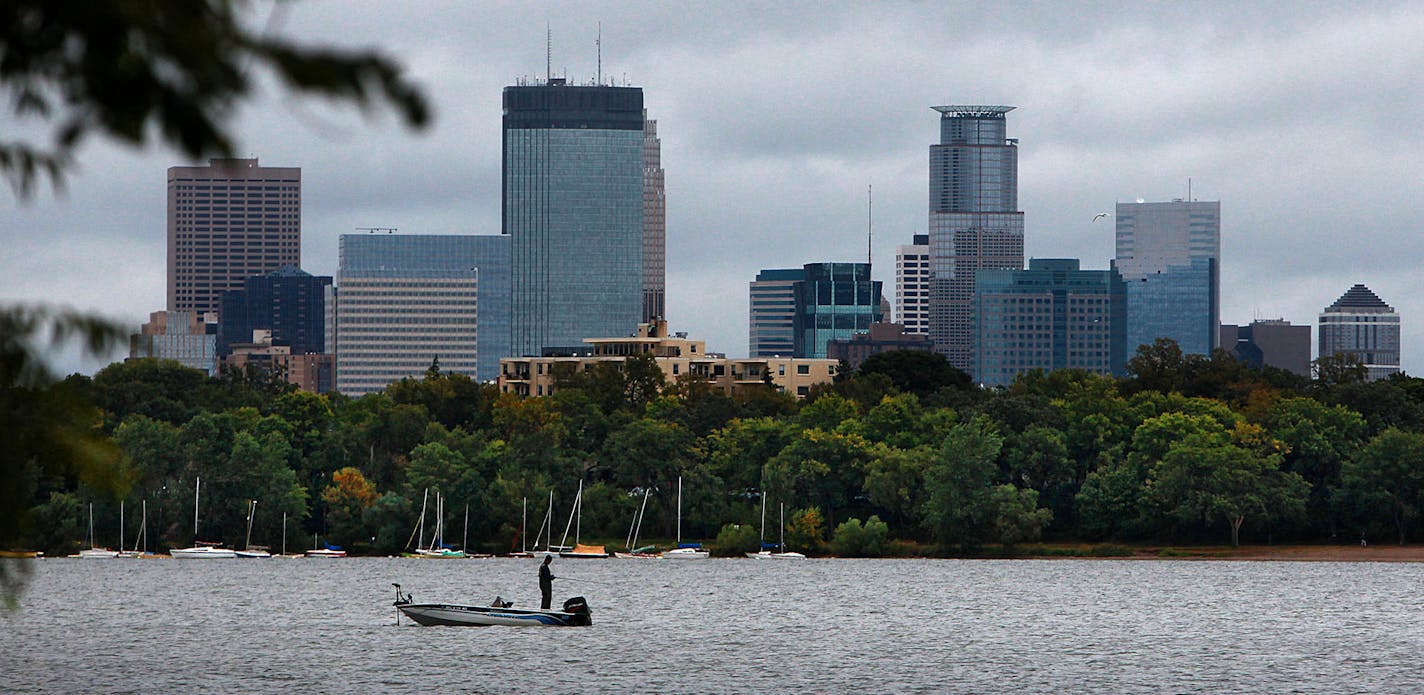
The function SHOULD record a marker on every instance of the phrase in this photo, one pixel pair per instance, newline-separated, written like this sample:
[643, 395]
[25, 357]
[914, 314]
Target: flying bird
[1101, 214]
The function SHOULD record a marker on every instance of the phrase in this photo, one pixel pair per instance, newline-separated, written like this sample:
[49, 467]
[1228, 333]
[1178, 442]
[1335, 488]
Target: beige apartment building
[678, 356]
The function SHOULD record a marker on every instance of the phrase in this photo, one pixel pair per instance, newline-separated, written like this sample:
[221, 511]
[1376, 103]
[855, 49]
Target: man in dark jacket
[546, 582]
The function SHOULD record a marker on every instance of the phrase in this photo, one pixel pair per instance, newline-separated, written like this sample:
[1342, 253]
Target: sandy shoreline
[1274, 553]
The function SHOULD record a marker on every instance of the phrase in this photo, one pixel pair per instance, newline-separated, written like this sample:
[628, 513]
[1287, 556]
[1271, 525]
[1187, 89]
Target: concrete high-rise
[1051, 316]
[654, 226]
[1361, 327]
[405, 299]
[573, 208]
[974, 221]
[1169, 255]
[912, 285]
[229, 221]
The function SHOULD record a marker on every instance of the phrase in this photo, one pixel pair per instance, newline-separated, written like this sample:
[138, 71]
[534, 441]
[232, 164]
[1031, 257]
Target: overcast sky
[1303, 119]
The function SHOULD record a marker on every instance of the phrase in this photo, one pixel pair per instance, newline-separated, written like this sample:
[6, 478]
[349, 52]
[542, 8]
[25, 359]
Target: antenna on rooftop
[599, 43]
[869, 221]
[548, 53]
[373, 230]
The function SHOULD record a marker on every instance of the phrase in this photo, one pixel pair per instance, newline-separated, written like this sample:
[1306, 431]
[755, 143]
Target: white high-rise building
[1360, 326]
[912, 285]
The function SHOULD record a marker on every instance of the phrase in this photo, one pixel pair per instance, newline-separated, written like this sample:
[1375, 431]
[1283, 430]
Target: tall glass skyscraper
[573, 181]
[772, 312]
[654, 226]
[406, 299]
[1169, 256]
[1360, 326]
[974, 220]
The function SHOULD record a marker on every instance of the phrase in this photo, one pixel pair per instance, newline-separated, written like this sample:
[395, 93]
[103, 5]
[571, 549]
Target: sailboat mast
[641, 511]
[251, 511]
[143, 528]
[121, 524]
[284, 533]
[420, 543]
[782, 542]
[197, 489]
[524, 526]
[762, 540]
[465, 538]
[679, 510]
[91, 526]
[572, 512]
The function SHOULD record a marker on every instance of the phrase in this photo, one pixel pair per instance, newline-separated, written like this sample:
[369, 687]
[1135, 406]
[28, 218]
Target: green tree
[738, 452]
[805, 530]
[920, 372]
[734, 540]
[1387, 479]
[347, 499]
[1318, 438]
[895, 481]
[854, 539]
[1203, 479]
[958, 482]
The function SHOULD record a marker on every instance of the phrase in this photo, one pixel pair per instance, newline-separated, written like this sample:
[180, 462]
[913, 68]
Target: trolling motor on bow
[400, 599]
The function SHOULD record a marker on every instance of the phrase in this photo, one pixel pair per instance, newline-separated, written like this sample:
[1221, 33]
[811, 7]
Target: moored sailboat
[94, 552]
[765, 552]
[689, 551]
[633, 552]
[580, 551]
[248, 549]
[201, 550]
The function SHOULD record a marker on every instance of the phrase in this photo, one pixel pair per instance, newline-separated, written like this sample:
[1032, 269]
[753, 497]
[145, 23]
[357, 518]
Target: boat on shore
[324, 549]
[633, 552]
[248, 549]
[94, 552]
[580, 551]
[575, 613]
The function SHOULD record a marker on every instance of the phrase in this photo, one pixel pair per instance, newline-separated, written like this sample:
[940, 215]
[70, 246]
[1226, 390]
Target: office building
[404, 300]
[974, 223]
[290, 304]
[834, 301]
[1169, 255]
[912, 285]
[573, 202]
[678, 357]
[1051, 316]
[882, 337]
[654, 226]
[1361, 327]
[182, 336]
[312, 372]
[772, 324]
[229, 221]
[1269, 343]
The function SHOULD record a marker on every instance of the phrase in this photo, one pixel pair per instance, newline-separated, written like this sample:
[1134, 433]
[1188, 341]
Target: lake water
[722, 626]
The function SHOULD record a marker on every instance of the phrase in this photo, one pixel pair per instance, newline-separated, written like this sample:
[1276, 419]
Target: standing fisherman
[546, 582]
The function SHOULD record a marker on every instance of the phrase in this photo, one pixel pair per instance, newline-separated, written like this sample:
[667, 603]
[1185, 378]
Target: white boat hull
[687, 554]
[474, 616]
[326, 552]
[253, 553]
[98, 554]
[203, 552]
[764, 555]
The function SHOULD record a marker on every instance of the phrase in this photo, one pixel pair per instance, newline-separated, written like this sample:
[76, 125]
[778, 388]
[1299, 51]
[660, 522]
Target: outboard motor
[579, 608]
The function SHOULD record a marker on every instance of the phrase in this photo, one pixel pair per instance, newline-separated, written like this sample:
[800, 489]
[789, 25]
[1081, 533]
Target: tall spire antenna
[869, 220]
[548, 53]
[599, 43]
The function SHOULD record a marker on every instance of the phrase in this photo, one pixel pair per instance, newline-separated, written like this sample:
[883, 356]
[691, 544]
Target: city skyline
[1298, 128]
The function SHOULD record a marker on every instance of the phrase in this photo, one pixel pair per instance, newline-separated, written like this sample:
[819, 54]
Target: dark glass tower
[573, 206]
[974, 219]
[834, 301]
[290, 302]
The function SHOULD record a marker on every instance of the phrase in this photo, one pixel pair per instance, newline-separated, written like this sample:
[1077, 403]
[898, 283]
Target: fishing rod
[585, 581]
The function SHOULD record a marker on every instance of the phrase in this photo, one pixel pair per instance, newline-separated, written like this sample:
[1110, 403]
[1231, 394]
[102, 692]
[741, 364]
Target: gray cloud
[1300, 118]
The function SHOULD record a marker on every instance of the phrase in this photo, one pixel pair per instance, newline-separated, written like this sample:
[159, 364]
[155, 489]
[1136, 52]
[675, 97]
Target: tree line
[903, 455]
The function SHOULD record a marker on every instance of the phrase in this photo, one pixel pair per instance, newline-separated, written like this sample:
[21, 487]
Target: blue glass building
[834, 301]
[772, 312]
[289, 302]
[1051, 316]
[1169, 255]
[406, 299]
[573, 182]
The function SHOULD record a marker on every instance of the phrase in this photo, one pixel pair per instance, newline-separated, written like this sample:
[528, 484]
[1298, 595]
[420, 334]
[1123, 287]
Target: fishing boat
[580, 551]
[575, 613]
[765, 552]
[94, 552]
[248, 549]
[685, 551]
[201, 550]
[633, 552]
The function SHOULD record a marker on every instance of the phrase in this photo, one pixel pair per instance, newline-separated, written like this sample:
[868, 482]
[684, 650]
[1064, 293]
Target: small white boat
[575, 613]
[248, 549]
[325, 552]
[203, 552]
[94, 552]
[765, 553]
[684, 551]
